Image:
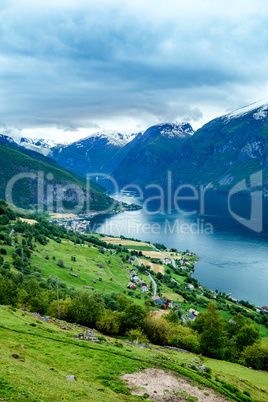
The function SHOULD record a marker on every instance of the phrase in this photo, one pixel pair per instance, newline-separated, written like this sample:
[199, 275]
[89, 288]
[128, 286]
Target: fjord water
[233, 258]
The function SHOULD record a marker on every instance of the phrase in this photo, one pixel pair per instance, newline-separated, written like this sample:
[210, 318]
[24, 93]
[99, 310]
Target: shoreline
[227, 295]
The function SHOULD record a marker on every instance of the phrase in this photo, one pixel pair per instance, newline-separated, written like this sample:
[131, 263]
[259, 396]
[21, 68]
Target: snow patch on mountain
[7, 140]
[261, 108]
[172, 130]
[43, 146]
[118, 139]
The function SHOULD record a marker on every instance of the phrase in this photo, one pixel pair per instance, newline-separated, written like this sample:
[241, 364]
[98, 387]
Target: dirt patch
[30, 221]
[123, 242]
[172, 254]
[155, 267]
[160, 313]
[62, 216]
[153, 254]
[166, 387]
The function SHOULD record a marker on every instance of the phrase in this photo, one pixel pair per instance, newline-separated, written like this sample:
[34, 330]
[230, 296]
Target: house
[132, 271]
[190, 286]
[144, 289]
[144, 284]
[167, 300]
[131, 286]
[159, 301]
[194, 312]
[170, 304]
[131, 260]
[166, 261]
[192, 317]
[135, 279]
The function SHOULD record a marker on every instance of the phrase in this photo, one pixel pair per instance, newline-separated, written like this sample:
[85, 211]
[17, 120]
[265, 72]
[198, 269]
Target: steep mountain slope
[90, 154]
[225, 150]
[153, 152]
[15, 160]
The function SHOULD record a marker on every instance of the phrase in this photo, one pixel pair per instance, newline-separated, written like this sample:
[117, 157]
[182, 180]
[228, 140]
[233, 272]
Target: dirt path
[166, 387]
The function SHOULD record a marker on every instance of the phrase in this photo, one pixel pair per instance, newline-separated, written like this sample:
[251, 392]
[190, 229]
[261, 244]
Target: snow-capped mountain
[173, 130]
[5, 139]
[152, 153]
[226, 150]
[91, 154]
[39, 145]
[259, 108]
[113, 138]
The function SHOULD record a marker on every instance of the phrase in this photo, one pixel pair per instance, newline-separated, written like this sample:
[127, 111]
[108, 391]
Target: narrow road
[10, 234]
[154, 283]
[138, 261]
[168, 256]
[150, 276]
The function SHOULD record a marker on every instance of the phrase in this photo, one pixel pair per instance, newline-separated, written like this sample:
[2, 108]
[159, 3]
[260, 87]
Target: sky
[69, 68]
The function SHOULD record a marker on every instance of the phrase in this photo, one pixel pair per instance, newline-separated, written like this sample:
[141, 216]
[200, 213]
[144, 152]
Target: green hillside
[92, 276]
[16, 161]
[47, 354]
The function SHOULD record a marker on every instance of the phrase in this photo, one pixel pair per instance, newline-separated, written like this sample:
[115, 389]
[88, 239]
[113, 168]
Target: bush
[3, 251]
[158, 331]
[256, 356]
[137, 335]
[109, 323]
[60, 263]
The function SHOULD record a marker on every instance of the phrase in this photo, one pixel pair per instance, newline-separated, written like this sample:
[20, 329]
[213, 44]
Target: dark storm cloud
[77, 64]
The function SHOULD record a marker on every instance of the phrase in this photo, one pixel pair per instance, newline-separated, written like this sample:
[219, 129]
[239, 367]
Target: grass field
[153, 254]
[125, 242]
[47, 354]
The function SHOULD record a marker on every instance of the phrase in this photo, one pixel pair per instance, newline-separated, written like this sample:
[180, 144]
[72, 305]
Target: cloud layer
[75, 66]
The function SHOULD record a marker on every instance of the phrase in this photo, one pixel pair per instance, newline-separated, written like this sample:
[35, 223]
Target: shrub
[137, 335]
[60, 263]
[256, 356]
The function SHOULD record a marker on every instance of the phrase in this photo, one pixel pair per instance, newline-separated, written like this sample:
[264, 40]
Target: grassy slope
[87, 271]
[14, 160]
[114, 268]
[97, 366]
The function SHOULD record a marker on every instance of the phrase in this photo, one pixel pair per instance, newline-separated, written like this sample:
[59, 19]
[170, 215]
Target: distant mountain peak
[177, 130]
[40, 145]
[5, 139]
[116, 138]
[260, 108]
[174, 130]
